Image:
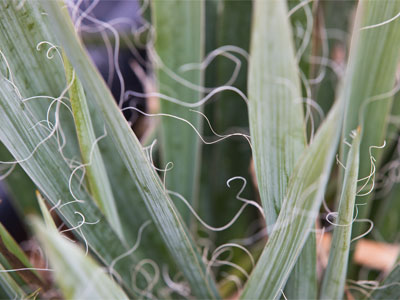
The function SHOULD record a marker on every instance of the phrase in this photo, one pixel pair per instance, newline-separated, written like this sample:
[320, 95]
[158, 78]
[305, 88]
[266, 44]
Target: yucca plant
[114, 217]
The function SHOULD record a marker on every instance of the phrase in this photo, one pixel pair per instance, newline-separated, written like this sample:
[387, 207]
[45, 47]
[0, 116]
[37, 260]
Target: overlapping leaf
[162, 211]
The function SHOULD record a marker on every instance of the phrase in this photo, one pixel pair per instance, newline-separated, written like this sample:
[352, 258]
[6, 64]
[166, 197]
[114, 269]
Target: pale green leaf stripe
[162, 210]
[298, 213]
[335, 274]
[277, 124]
[78, 275]
[373, 60]
[179, 26]
[275, 104]
[91, 157]
[389, 287]
[9, 289]
[48, 220]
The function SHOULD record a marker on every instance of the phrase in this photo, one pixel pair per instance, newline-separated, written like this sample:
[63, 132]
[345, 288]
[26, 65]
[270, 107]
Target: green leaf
[78, 275]
[298, 212]
[335, 274]
[368, 90]
[275, 104]
[95, 170]
[23, 54]
[277, 124]
[22, 29]
[162, 210]
[179, 26]
[35, 66]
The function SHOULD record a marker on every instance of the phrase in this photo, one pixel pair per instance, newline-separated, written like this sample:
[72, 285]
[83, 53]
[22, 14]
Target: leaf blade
[22, 30]
[277, 125]
[162, 210]
[275, 148]
[91, 157]
[298, 213]
[367, 94]
[335, 274]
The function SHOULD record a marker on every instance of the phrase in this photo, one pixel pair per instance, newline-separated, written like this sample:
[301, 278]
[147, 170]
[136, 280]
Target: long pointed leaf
[298, 213]
[23, 28]
[48, 220]
[95, 170]
[335, 274]
[372, 67]
[162, 210]
[277, 124]
[275, 104]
